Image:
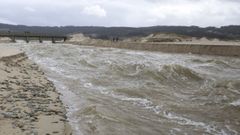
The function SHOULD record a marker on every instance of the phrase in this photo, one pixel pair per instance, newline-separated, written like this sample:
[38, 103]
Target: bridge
[27, 36]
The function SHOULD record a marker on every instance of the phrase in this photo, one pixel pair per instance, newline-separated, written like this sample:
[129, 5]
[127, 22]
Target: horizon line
[119, 26]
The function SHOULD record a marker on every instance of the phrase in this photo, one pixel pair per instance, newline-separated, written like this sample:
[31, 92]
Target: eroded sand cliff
[29, 102]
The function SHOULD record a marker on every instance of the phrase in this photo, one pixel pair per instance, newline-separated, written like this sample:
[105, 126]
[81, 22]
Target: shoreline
[29, 102]
[171, 47]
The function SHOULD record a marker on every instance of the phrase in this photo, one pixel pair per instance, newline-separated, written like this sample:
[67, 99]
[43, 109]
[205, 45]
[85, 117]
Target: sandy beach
[29, 102]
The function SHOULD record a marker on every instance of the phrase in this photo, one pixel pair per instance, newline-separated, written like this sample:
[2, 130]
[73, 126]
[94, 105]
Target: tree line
[231, 32]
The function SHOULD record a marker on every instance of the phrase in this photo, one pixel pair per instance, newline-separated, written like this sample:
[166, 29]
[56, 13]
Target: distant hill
[224, 32]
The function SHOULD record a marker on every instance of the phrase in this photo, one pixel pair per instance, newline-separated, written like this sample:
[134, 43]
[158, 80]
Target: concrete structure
[28, 36]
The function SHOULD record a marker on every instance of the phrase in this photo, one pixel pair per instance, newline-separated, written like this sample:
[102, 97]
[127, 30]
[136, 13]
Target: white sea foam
[87, 85]
[72, 105]
[145, 103]
[236, 103]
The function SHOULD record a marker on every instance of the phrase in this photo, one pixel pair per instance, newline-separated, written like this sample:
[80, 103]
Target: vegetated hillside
[224, 32]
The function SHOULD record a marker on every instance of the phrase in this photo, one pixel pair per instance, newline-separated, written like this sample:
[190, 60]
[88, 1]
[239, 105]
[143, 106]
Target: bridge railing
[27, 36]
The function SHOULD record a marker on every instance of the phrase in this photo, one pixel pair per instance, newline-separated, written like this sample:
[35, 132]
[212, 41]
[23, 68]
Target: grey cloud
[121, 12]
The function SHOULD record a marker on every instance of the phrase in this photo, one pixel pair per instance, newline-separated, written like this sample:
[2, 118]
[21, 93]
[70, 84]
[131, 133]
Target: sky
[133, 13]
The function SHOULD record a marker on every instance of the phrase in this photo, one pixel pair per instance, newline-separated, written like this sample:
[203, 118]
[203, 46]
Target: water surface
[111, 91]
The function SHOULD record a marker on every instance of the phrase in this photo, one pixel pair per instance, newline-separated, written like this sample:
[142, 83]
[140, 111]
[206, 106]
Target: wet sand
[29, 102]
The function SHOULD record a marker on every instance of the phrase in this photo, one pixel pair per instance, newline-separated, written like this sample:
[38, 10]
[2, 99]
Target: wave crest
[164, 73]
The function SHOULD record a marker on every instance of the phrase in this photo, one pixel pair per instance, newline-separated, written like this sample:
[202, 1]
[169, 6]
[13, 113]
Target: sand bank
[5, 40]
[202, 46]
[29, 103]
[172, 47]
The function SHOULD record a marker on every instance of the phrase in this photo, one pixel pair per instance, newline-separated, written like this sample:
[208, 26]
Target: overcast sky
[120, 12]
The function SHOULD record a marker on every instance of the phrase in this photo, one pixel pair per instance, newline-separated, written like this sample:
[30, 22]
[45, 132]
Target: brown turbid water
[111, 91]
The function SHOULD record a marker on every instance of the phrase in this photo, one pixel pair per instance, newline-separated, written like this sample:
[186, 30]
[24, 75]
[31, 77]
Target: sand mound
[85, 40]
[79, 38]
[166, 37]
[5, 40]
[159, 37]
